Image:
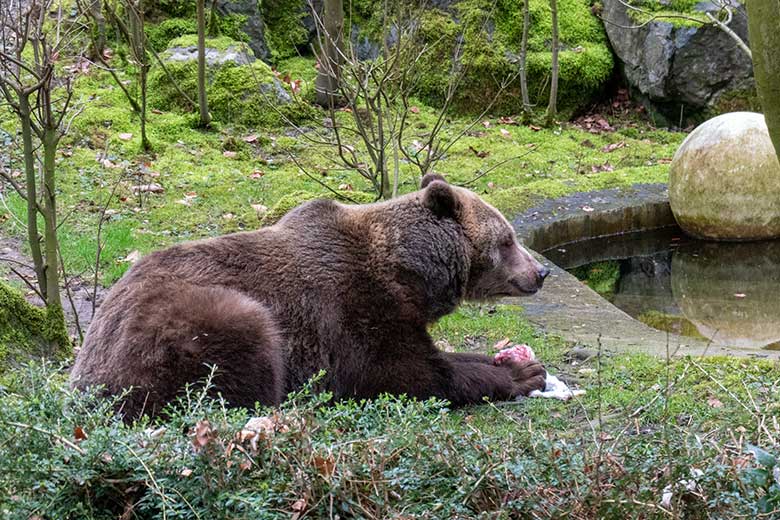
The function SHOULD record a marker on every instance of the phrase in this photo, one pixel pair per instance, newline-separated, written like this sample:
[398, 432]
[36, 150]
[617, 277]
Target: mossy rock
[27, 331]
[491, 37]
[240, 90]
[285, 32]
[295, 199]
[161, 34]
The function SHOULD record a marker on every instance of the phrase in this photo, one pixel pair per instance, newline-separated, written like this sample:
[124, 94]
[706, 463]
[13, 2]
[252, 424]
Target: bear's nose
[542, 273]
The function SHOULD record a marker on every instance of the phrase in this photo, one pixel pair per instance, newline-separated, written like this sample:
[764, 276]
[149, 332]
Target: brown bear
[347, 289]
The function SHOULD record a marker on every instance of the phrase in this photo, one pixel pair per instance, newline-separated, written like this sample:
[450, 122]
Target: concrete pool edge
[568, 308]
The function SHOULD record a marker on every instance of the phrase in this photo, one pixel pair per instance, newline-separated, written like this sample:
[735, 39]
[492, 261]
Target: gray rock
[214, 57]
[253, 27]
[679, 68]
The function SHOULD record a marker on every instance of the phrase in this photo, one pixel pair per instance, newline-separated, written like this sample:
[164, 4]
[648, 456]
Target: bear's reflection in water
[730, 291]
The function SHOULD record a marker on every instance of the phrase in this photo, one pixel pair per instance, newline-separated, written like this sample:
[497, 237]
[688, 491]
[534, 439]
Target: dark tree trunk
[332, 45]
[764, 27]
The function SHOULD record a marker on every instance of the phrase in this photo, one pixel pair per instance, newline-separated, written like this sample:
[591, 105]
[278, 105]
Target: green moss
[161, 34]
[284, 30]
[679, 13]
[220, 43]
[602, 277]
[670, 323]
[295, 199]
[489, 58]
[231, 26]
[26, 330]
[237, 94]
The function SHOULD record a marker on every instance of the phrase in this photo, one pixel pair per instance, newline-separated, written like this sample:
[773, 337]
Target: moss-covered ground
[643, 424]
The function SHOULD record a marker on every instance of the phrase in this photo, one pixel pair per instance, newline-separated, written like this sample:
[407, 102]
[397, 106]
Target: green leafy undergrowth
[65, 455]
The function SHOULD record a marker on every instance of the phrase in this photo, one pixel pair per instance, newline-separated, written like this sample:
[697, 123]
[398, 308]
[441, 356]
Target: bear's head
[498, 265]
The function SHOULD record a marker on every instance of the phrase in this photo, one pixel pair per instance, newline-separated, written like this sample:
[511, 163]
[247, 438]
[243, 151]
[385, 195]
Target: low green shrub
[66, 456]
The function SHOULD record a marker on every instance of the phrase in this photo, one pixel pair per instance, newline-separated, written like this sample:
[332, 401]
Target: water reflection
[730, 292]
[725, 292]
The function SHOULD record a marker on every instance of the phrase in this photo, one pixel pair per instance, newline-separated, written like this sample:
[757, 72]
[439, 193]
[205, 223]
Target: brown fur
[348, 289]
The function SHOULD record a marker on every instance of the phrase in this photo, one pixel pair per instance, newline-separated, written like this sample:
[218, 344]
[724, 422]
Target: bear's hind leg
[196, 328]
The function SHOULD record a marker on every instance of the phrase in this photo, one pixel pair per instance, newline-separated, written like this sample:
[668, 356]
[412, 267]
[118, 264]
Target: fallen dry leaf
[229, 154]
[598, 168]
[613, 146]
[125, 136]
[486, 123]
[202, 434]
[587, 209]
[505, 133]
[535, 128]
[714, 402]
[507, 121]
[502, 344]
[299, 505]
[256, 174]
[325, 465]
[345, 187]
[79, 434]
[414, 110]
[152, 187]
[186, 472]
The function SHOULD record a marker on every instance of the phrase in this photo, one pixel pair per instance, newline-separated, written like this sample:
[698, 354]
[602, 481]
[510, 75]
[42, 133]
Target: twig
[723, 26]
[70, 296]
[38, 429]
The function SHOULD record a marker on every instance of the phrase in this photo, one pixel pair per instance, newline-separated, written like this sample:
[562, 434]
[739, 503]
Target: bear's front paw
[527, 376]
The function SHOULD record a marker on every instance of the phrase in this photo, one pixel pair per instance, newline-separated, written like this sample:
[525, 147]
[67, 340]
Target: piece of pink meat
[515, 353]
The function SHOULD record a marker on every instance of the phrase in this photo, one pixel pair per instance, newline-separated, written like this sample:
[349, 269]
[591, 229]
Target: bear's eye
[508, 242]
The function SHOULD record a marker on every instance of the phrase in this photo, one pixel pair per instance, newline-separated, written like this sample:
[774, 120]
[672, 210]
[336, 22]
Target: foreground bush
[65, 455]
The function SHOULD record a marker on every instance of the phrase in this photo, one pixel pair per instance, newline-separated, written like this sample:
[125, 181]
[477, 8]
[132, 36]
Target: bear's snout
[541, 273]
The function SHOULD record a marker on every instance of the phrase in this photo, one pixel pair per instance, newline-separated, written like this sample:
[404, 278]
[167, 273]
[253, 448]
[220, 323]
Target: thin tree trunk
[33, 237]
[50, 140]
[763, 24]
[143, 73]
[205, 118]
[331, 41]
[99, 40]
[138, 43]
[524, 59]
[552, 107]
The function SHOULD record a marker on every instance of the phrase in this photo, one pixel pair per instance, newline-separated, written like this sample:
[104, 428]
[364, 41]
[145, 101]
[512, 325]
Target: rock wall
[680, 71]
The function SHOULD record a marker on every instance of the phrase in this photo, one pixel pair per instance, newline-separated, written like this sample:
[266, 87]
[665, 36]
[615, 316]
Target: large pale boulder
[725, 180]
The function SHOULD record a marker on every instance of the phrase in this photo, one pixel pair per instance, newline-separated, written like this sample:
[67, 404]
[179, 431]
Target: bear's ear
[429, 178]
[441, 199]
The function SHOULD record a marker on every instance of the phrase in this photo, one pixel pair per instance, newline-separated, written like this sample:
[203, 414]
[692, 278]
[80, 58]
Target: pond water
[727, 293]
